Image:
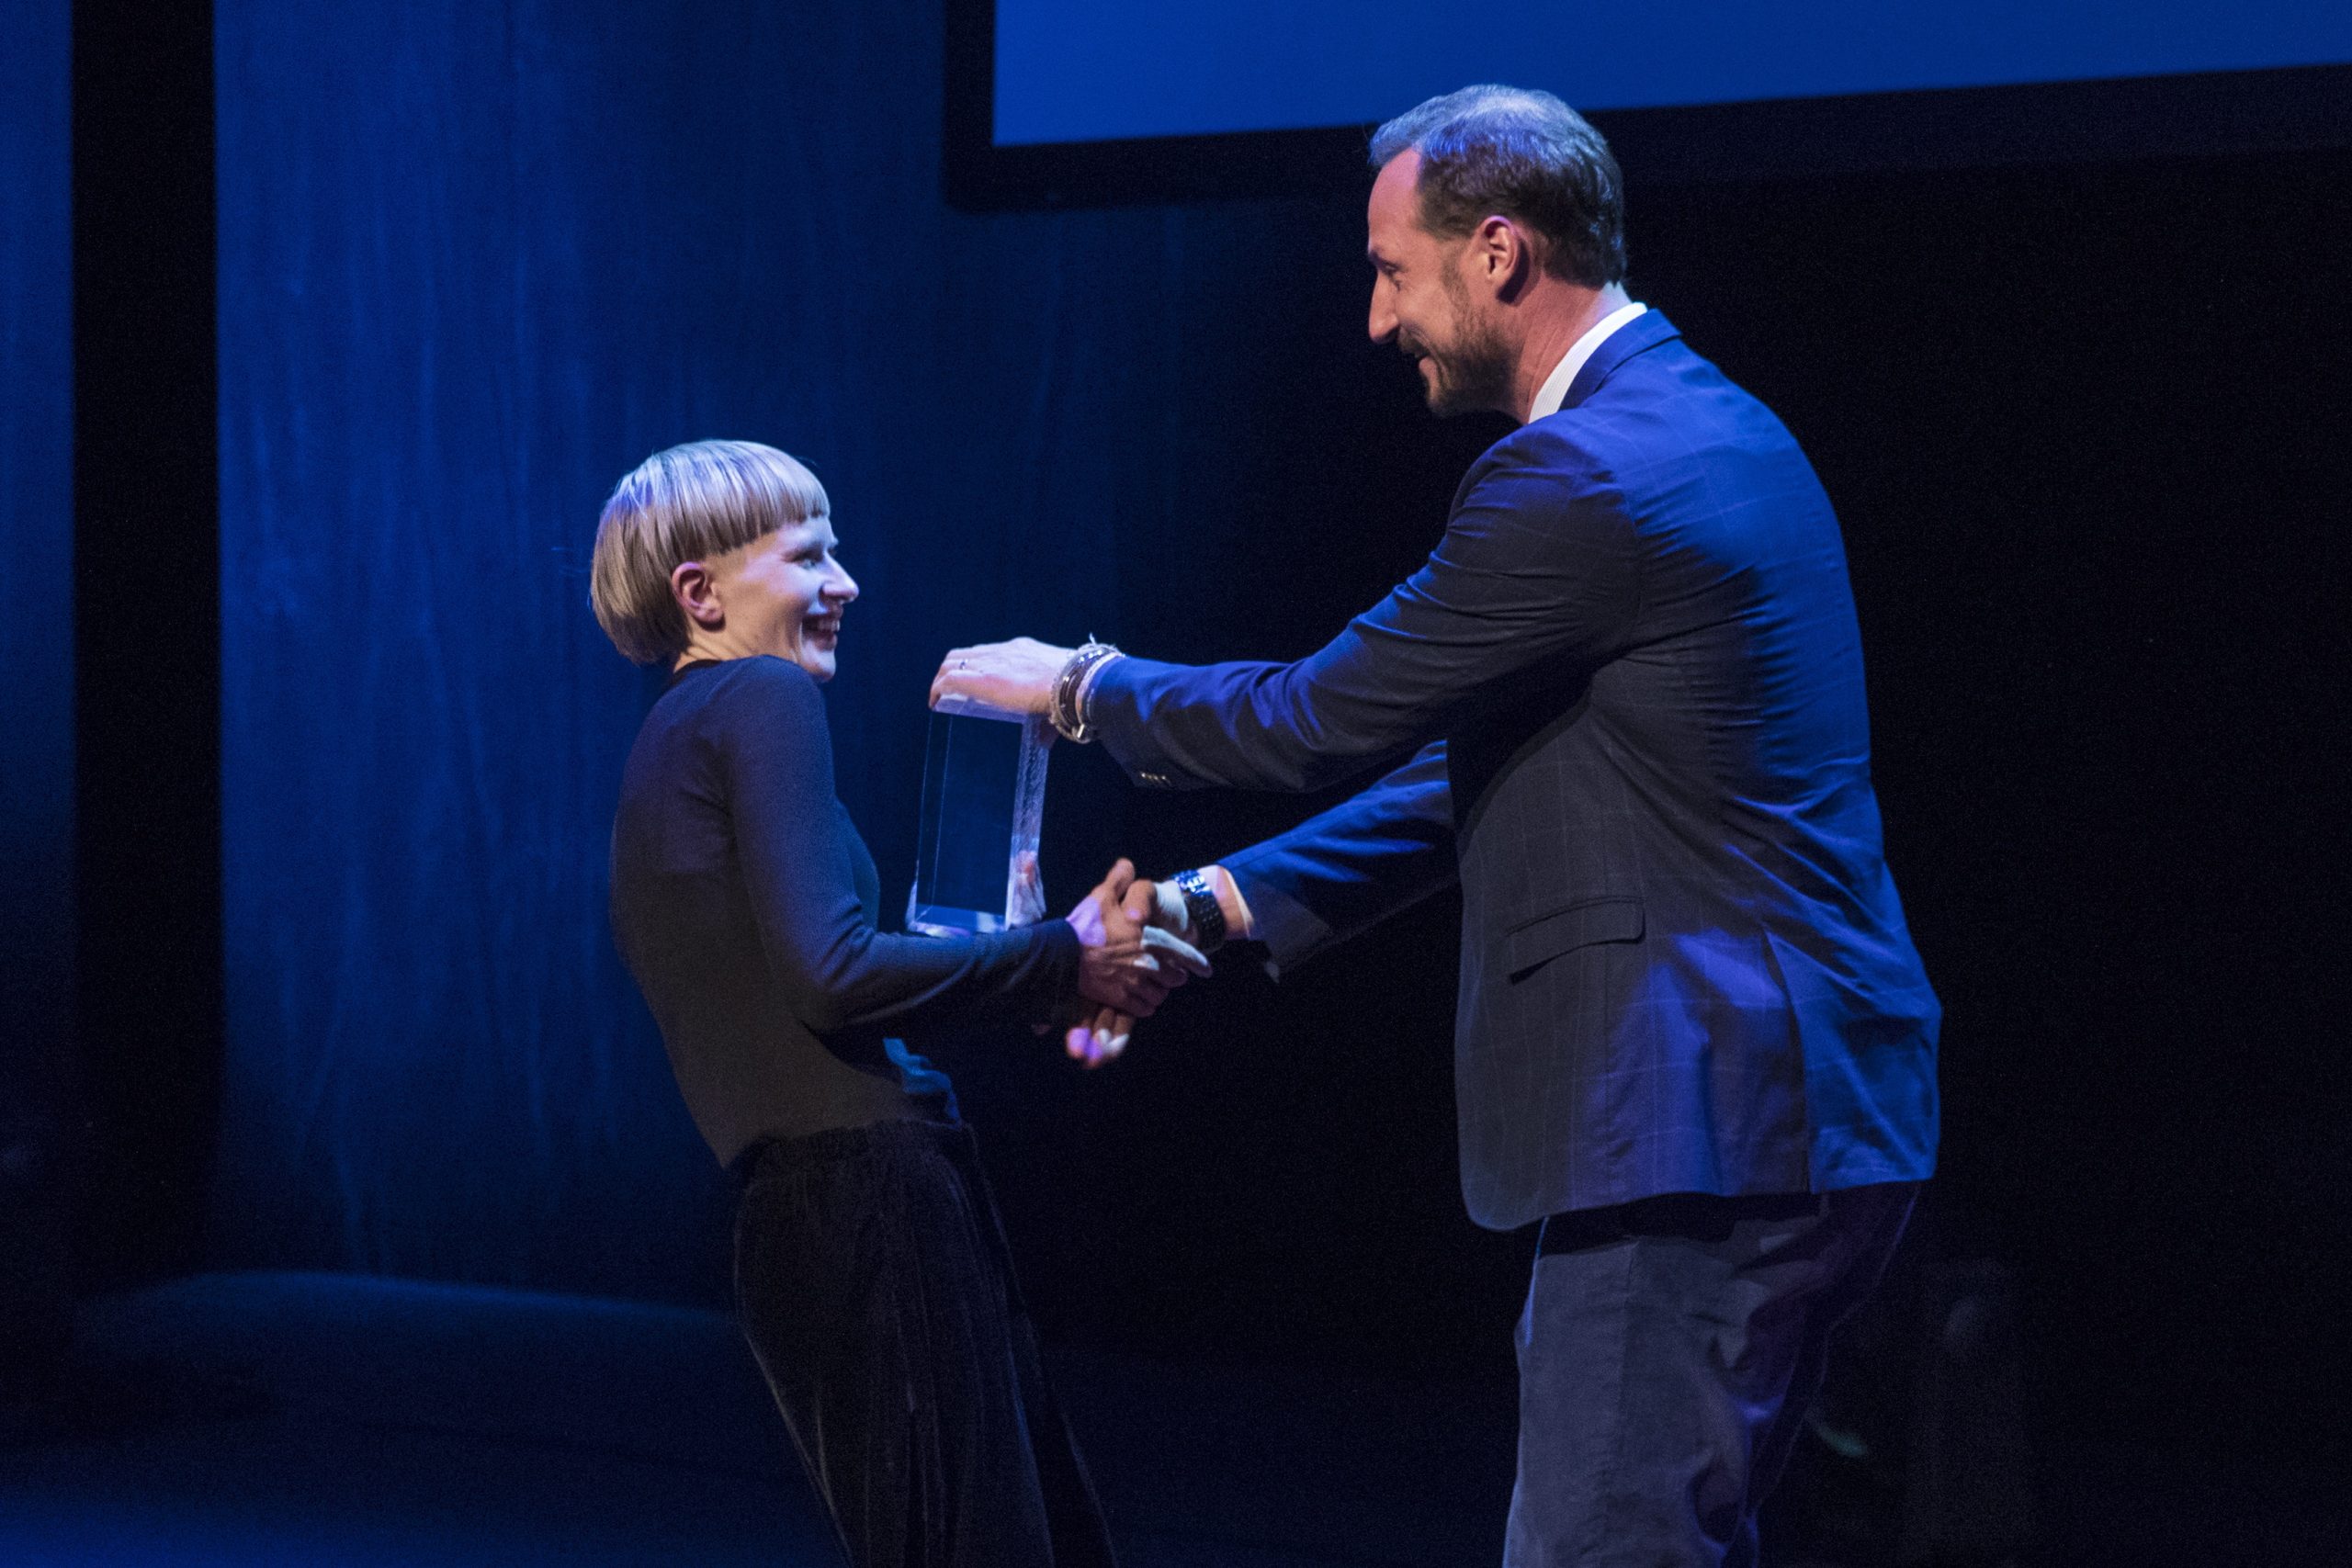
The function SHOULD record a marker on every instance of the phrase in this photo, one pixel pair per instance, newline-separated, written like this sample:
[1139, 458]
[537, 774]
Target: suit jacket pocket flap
[1548, 936]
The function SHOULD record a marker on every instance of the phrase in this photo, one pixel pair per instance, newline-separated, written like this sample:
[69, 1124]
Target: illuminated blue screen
[1083, 70]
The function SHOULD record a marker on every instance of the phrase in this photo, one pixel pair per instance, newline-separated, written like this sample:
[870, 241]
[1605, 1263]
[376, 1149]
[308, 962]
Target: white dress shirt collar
[1555, 391]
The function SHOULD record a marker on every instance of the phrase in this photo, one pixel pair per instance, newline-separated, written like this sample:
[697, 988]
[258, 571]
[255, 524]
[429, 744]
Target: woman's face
[783, 594]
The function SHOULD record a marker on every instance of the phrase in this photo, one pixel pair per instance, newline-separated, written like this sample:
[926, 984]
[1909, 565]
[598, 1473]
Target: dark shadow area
[146, 634]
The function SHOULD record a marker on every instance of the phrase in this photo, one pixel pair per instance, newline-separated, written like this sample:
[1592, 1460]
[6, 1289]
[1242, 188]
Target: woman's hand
[1102, 1031]
[1028, 898]
[1127, 966]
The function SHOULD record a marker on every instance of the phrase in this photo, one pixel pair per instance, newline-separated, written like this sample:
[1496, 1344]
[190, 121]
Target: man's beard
[1474, 375]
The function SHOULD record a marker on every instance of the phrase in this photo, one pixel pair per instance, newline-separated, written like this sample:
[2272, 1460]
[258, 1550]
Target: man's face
[1423, 300]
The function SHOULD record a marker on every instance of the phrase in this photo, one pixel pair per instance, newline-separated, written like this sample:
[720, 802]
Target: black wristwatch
[1202, 909]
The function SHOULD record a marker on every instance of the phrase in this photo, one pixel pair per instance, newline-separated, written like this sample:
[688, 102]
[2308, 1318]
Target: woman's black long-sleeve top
[745, 904]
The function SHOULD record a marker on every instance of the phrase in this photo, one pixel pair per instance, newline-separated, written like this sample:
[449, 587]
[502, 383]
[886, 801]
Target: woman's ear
[697, 591]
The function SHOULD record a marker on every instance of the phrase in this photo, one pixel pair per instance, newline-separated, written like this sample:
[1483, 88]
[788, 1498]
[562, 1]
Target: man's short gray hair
[1522, 154]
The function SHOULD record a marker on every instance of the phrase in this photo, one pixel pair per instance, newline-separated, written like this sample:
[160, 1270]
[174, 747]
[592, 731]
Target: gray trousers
[1667, 1354]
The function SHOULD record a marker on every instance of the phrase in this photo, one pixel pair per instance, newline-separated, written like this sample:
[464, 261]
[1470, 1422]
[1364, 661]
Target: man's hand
[1128, 966]
[1010, 677]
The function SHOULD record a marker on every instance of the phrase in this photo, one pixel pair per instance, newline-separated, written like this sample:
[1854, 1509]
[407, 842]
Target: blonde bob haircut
[690, 502]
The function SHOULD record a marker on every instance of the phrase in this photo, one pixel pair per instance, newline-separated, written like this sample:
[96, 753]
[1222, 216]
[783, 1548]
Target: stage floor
[282, 1419]
[278, 1419]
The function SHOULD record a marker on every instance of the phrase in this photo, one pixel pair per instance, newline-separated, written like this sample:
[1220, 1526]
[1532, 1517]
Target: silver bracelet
[1064, 708]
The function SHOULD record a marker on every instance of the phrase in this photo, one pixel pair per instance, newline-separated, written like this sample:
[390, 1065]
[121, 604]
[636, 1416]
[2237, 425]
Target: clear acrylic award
[983, 802]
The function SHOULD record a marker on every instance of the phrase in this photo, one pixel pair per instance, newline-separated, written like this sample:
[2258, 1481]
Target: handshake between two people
[1135, 945]
[1138, 937]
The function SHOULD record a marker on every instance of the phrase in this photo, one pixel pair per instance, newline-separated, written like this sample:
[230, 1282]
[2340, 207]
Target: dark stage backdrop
[36, 642]
[2083, 424]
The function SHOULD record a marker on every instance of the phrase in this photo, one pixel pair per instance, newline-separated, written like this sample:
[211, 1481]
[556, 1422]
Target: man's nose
[1382, 324]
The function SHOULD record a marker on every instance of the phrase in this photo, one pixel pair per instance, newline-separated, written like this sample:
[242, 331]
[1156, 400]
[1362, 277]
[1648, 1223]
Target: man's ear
[697, 591]
[1505, 256]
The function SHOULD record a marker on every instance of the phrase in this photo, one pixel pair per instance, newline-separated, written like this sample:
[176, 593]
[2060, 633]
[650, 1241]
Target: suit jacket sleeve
[1354, 865]
[1538, 563]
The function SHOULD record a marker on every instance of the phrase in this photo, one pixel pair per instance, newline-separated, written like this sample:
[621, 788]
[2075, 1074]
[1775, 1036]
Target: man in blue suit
[1694, 1039]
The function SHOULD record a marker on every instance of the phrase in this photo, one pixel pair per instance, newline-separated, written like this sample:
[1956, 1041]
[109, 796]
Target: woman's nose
[843, 587]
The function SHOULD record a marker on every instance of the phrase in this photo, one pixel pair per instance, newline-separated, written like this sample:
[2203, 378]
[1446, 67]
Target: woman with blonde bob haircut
[871, 1275]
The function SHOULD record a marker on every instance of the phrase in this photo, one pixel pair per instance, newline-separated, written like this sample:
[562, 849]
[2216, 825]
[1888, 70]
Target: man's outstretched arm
[1350, 867]
[1539, 565]
[1334, 874]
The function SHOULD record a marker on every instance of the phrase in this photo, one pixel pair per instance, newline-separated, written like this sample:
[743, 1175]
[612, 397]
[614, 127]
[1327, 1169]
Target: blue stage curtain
[476, 260]
[36, 650]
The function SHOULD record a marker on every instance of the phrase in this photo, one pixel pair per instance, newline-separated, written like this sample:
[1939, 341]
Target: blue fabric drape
[476, 260]
[36, 595]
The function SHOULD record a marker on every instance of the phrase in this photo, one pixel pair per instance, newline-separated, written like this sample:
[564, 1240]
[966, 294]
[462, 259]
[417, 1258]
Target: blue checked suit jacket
[1630, 686]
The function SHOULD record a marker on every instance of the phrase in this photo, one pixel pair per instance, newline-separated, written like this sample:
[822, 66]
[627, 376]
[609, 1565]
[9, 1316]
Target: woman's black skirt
[872, 1280]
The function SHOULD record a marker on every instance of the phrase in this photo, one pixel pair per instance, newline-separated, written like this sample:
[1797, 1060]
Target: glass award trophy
[983, 801]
